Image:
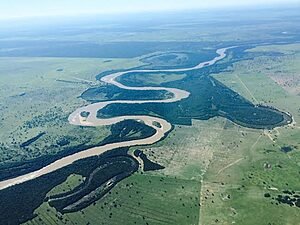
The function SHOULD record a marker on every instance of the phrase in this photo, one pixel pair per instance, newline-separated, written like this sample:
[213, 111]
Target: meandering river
[91, 120]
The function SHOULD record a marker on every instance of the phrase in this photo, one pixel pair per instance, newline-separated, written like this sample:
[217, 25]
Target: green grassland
[225, 168]
[38, 94]
[240, 178]
[71, 182]
[258, 80]
[136, 200]
[216, 172]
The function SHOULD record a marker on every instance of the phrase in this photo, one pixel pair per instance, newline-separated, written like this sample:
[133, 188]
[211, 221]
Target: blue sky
[27, 8]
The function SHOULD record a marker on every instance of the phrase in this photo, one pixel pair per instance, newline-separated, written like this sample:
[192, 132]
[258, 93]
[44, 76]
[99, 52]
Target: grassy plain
[225, 168]
[71, 182]
[219, 165]
[240, 178]
[170, 200]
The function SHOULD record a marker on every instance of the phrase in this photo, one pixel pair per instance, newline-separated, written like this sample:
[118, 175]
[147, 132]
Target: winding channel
[76, 119]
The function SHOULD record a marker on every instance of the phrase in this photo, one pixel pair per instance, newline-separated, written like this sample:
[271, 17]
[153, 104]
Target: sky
[36, 8]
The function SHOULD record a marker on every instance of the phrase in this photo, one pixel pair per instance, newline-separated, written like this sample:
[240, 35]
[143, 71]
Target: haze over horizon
[36, 8]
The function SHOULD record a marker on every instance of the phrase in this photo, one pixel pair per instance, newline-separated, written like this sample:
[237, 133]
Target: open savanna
[224, 168]
[238, 178]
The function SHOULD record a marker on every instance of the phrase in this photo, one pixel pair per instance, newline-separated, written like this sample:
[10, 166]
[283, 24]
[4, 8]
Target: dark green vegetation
[112, 92]
[128, 130]
[31, 140]
[287, 149]
[84, 114]
[209, 98]
[20, 201]
[157, 124]
[148, 165]
[99, 182]
[123, 131]
[290, 198]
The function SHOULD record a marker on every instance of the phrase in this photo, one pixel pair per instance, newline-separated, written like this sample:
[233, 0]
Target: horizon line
[156, 11]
